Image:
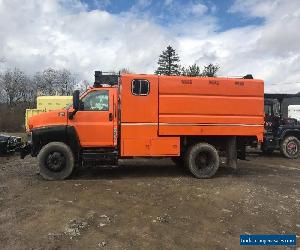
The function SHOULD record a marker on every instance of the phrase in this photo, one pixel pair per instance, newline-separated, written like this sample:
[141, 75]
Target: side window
[96, 101]
[140, 87]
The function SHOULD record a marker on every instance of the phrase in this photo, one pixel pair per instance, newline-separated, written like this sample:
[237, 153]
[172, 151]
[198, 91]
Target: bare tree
[54, 82]
[65, 82]
[19, 91]
[2, 92]
[13, 83]
[85, 85]
[45, 82]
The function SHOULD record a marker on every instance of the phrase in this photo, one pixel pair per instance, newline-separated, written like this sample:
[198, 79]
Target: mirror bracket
[72, 114]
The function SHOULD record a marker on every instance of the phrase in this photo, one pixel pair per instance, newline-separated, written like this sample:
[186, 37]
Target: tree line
[16, 87]
[169, 64]
[18, 91]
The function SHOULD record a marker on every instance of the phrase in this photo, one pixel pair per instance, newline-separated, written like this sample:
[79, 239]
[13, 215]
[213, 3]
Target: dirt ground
[147, 204]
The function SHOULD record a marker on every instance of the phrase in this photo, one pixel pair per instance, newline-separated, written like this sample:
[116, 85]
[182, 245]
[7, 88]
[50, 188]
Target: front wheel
[56, 161]
[290, 147]
[203, 160]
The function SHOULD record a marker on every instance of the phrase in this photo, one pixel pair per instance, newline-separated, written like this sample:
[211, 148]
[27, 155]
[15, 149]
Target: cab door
[94, 122]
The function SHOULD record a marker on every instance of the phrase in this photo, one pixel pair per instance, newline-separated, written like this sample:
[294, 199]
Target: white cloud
[39, 34]
[199, 9]
[45, 33]
[270, 51]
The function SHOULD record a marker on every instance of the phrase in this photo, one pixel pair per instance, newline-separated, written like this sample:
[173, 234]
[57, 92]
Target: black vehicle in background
[9, 144]
[280, 133]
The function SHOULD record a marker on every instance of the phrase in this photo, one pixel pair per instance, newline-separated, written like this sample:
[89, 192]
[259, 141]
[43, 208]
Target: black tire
[56, 161]
[290, 147]
[202, 159]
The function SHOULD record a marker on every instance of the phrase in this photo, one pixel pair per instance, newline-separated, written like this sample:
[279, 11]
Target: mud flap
[231, 153]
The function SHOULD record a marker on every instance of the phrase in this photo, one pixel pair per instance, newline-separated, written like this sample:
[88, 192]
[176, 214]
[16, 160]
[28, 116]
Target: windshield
[96, 100]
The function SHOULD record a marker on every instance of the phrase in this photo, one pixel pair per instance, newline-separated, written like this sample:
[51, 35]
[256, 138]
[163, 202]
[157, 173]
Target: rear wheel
[56, 161]
[290, 147]
[203, 160]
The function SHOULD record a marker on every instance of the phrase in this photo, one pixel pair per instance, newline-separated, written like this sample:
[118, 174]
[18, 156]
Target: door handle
[110, 117]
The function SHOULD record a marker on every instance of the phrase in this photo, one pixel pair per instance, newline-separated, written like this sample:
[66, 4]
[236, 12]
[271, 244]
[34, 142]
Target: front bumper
[10, 144]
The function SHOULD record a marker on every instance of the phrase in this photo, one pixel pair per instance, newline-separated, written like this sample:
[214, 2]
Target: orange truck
[193, 120]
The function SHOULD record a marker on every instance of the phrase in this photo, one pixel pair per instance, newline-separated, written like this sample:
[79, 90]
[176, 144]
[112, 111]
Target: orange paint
[94, 128]
[189, 106]
[176, 106]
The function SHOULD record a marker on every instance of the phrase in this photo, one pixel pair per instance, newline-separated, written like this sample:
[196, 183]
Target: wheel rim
[204, 161]
[292, 148]
[56, 161]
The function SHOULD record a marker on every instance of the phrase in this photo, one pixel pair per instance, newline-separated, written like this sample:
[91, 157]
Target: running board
[100, 154]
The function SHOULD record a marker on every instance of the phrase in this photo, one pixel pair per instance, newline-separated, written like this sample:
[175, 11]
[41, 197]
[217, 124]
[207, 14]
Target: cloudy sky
[242, 36]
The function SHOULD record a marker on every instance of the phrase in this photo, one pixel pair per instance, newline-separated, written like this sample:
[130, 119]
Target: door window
[96, 101]
[140, 87]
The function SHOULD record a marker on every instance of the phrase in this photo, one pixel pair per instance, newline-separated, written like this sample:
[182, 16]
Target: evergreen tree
[168, 63]
[193, 70]
[210, 70]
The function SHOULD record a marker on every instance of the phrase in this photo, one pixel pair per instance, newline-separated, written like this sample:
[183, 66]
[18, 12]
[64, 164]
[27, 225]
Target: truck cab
[280, 133]
[88, 127]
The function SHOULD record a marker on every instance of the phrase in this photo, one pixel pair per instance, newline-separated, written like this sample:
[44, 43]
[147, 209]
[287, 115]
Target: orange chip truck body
[193, 120]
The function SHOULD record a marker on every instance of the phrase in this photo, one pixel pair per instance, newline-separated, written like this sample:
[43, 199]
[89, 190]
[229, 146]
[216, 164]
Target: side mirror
[76, 104]
[76, 101]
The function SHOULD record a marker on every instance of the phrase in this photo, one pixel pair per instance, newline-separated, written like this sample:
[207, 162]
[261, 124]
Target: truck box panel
[210, 106]
[212, 129]
[189, 118]
[141, 139]
[167, 146]
[139, 130]
[136, 147]
[159, 146]
[135, 108]
[210, 86]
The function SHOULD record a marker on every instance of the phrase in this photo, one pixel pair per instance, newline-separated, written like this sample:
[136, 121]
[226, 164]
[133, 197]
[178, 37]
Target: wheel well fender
[61, 133]
[290, 132]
